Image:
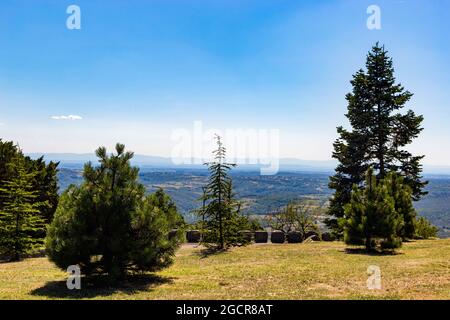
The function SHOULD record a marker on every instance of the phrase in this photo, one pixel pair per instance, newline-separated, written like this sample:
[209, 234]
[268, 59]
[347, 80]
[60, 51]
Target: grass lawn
[321, 270]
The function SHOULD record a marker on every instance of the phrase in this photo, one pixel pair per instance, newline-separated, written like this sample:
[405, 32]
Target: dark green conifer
[222, 219]
[109, 226]
[379, 134]
[370, 218]
[20, 218]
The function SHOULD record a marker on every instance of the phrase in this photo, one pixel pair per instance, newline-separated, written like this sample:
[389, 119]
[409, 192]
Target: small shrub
[424, 229]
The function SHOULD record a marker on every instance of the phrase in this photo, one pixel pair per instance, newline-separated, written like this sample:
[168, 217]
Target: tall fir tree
[221, 212]
[20, 218]
[45, 182]
[8, 153]
[379, 135]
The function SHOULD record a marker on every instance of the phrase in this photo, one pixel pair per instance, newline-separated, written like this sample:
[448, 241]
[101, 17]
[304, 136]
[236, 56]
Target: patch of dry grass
[420, 270]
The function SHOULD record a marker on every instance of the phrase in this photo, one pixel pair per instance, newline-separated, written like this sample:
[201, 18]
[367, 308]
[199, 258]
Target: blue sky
[138, 70]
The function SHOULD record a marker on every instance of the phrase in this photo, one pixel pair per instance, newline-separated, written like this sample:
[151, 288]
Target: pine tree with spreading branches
[109, 226]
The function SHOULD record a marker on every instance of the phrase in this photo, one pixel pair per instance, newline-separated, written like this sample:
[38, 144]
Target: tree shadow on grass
[212, 251]
[98, 287]
[362, 251]
[4, 258]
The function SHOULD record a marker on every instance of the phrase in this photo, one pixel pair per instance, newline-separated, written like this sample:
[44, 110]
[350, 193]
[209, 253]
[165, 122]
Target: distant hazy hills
[297, 178]
[285, 164]
[81, 158]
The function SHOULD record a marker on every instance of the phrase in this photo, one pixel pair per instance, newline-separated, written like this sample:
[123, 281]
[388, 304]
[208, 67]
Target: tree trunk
[220, 211]
[368, 243]
[380, 144]
[16, 242]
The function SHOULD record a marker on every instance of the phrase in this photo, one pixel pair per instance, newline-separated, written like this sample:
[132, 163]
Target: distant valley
[262, 194]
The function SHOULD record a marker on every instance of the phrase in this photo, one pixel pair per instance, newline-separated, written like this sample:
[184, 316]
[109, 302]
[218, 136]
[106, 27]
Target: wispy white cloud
[69, 117]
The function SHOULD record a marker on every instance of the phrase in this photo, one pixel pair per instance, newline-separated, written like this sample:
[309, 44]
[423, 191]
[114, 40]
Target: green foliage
[33, 185]
[44, 180]
[254, 224]
[379, 135]
[401, 194]
[296, 216]
[164, 206]
[8, 153]
[371, 218]
[220, 212]
[424, 229]
[46, 185]
[19, 212]
[108, 226]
